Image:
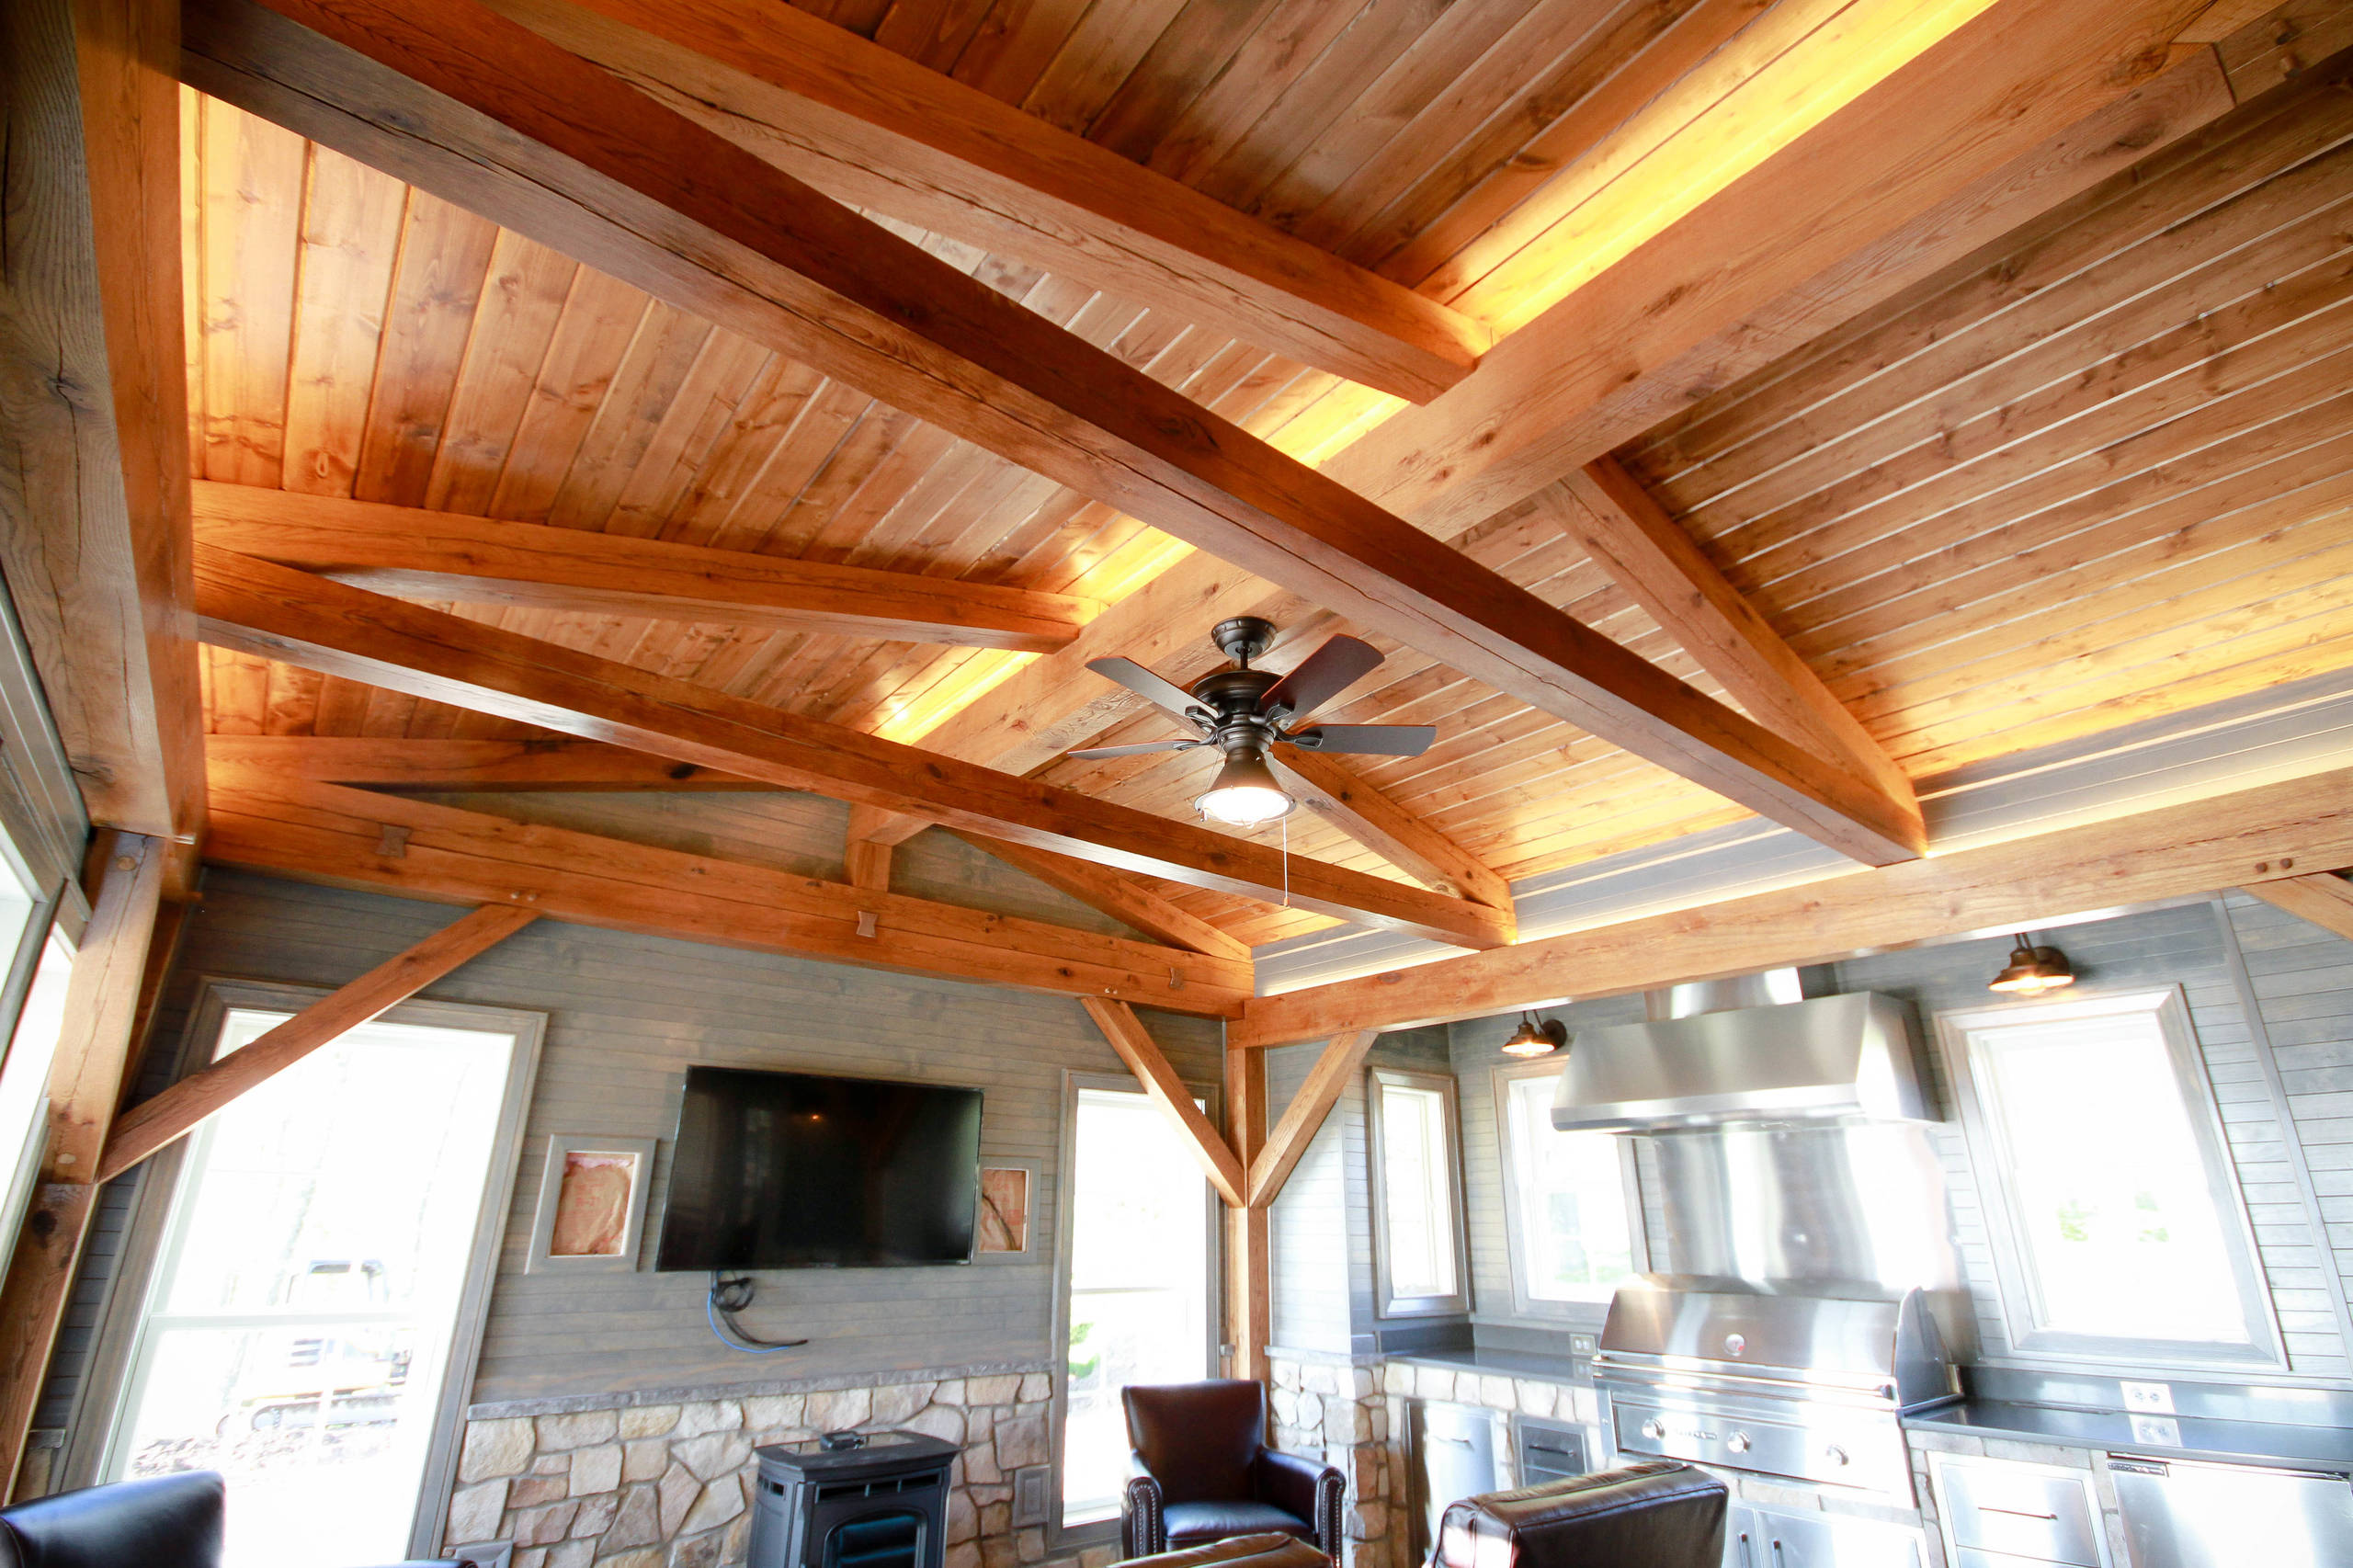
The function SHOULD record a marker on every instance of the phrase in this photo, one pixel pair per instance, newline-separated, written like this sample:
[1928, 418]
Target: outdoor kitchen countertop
[1502, 1364]
[2192, 1437]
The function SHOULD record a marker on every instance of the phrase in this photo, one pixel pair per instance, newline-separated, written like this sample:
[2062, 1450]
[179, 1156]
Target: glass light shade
[2033, 971]
[1244, 794]
[1532, 1039]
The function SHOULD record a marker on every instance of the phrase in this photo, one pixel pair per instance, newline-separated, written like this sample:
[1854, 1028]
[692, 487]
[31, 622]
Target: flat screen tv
[794, 1170]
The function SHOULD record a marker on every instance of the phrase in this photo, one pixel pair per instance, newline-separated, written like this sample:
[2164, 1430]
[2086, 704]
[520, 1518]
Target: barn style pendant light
[1536, 1036]
[2033, 971]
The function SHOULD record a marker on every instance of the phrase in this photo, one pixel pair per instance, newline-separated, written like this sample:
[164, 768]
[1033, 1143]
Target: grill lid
[1888, 1347]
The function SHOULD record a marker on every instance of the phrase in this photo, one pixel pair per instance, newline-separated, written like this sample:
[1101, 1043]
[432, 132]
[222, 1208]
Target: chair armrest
[1142, 1530]
[1305, 1489]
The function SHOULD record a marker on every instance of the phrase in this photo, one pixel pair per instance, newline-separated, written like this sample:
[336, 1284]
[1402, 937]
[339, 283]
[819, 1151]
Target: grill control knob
[1655, 1430]
[1738, 1442]
[1835, 1455]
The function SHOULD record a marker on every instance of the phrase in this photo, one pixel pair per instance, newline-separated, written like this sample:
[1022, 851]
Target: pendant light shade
[1244, 793]
[2033, 971]
[1536, 1038]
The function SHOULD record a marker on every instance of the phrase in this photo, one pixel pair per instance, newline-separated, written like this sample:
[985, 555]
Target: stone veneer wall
[642, 1483]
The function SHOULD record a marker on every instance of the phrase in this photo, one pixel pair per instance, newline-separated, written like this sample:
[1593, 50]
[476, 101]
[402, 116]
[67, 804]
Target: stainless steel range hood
[1847, 1057]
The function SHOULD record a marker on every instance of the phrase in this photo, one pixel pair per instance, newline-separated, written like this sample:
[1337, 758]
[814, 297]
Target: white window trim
[1523, 1304]
[2014, 1275]
[106, 1377]
[1387, 1302]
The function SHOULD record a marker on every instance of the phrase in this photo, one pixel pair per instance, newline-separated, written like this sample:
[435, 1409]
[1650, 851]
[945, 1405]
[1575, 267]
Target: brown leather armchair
[1658, 1514]
[1202, 1472]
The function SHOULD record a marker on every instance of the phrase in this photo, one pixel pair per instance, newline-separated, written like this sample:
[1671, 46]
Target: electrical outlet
[1581, 1344]
[2149, 1399]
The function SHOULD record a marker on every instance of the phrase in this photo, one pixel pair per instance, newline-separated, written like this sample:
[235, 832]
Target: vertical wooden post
[84, 1085]
[1249, 1289]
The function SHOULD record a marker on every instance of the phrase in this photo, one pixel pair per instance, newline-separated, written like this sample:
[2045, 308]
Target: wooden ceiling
[2093, 473]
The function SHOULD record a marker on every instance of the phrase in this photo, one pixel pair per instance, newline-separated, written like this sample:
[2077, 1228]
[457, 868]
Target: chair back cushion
[1197, 1439]
[165, 1521]
[1654, 1515]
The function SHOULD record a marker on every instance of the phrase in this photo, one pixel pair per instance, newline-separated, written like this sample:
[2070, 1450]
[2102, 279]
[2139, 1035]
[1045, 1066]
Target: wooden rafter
[1120, 897]
[85, 1082]
[327, 832]
[157, 1123]
[1679, 334]
[280, 613]
[462, 102]
[1303, 1118]
[869, 127]
[550, 763]
[441, 555]
[1166, 1090]
[1250, 1277]
[93, 400]
[2246, 837]
[2324, 898]
[1608, 512]
[1326, 786]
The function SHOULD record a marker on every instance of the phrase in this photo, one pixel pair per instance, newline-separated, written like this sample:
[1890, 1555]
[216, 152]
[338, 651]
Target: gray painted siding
[2303, 980]
[626, 1015]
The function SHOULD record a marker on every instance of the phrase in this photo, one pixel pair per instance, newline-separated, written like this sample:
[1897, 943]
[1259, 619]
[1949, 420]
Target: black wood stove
[852, 1500]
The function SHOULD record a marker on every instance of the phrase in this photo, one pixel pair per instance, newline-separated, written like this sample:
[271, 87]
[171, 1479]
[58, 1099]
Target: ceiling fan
[1242, 711]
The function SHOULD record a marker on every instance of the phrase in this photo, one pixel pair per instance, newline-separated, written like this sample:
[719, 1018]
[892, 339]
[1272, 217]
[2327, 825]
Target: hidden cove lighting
[2033, 971]
[1244, 793]
[1536, 1036]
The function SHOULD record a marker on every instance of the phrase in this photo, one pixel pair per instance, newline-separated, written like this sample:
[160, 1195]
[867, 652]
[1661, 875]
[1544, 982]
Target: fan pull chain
[1285, 859]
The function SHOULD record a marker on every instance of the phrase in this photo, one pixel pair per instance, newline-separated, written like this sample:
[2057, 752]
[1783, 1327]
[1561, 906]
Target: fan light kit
[1244, 712]
[2033, 971]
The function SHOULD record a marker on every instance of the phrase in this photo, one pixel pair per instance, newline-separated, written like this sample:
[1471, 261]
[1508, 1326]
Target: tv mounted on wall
[795, 1170]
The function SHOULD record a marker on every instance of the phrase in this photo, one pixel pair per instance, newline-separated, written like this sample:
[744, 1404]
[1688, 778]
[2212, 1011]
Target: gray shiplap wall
[2287, 1166]
[626, 1015]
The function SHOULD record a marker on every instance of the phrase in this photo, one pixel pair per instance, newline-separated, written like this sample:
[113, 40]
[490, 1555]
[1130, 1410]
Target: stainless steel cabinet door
[2179, 1515]
[1767, 1537]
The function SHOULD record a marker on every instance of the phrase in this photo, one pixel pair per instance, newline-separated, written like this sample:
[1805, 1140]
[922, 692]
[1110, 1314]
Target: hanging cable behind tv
[729, 1297]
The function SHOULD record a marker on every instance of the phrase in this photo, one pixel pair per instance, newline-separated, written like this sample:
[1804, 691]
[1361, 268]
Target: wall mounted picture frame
[1006, 1229]
[591, 1217]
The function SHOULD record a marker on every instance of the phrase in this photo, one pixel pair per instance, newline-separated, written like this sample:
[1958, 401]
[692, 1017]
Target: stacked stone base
[669, 1485]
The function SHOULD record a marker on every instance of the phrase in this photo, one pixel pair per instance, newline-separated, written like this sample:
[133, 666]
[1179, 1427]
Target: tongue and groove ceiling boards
[1882, 387]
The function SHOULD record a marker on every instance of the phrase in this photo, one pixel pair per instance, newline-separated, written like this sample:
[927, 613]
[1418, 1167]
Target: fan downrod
[1244, 637]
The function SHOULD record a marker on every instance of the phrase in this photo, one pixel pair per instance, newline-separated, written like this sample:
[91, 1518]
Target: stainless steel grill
[1807, 1387]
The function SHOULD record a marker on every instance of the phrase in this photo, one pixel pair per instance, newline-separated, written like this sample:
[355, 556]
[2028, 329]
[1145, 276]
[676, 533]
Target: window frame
[1061, 1538]
[1583, 1313]
[102, 1398]
[2015, 1278]
[1387, 1302]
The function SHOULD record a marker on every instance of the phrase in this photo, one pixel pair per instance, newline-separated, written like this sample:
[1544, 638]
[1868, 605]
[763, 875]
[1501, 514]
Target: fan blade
[1368, 740]
[1161, 693]
[1137, 750]
[1321, 676]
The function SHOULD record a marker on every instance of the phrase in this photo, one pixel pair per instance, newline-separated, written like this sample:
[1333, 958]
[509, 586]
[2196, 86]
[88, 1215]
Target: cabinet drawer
[2018, 1510]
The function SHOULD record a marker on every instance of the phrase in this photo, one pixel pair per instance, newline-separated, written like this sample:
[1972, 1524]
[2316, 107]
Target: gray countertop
[1503, 1364]
[2250, 1442]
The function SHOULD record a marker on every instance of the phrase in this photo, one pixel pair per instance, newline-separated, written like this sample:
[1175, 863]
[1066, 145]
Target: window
[1418, 1209]
[2119, 1230]
[1140, 1290]
[24, 1080]
[1568, 1200]
[305, 1327]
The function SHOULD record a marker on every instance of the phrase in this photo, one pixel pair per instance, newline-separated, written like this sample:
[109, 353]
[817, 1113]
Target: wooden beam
[2242, 838]
[868, 864]
[1249, 1323]
[1120, 897]
[1326, 786]
[157, 1123]
[284, 614]
[2326, 898]
[871, 825]
[1629, 534]
[328, 834]
[93, 465]
[441, 555]
[869, 127]
[455, 99]
[85, 1082]
[1303, 1118]
[1682, 340]
[554, 763]
[1166, 1090]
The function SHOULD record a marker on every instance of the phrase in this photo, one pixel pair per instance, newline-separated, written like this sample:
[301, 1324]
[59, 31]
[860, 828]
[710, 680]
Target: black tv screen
[793, 1170]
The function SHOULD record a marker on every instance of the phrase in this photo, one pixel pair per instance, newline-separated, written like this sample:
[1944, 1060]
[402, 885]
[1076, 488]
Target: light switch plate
[2149, 1399]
